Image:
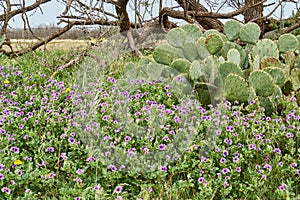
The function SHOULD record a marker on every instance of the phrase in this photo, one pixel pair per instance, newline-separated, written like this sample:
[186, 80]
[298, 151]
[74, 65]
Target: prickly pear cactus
[270, 62]
[277, 75]
[176, 37]
[190, 51]
[193, 33]
[262, 70]
[265, 48]
[250, 33]
[287, 42]
[227, 68]
[196, 72]
[267, 104]
[231, 45]
[262, 82]
[214, 43]
[234, 56]
[232, 29]
[236, 88]
[166, 54]
[181, 65]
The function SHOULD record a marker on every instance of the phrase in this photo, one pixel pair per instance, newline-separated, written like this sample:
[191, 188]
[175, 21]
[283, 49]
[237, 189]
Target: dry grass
[65, 44]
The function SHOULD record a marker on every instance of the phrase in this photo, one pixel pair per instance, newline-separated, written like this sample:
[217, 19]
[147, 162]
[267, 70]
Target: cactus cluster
[236, 65]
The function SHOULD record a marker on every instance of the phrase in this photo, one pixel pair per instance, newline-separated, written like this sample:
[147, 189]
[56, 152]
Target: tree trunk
[123, 15]
[205, 22]
[255, 12]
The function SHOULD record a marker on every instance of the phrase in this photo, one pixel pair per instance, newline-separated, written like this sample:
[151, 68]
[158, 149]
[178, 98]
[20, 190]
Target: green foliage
[50, 175]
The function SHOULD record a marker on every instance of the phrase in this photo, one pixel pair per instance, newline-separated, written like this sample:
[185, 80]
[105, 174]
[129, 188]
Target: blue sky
[54, 8]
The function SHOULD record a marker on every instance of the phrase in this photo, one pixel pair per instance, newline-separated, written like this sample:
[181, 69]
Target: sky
[54, 8]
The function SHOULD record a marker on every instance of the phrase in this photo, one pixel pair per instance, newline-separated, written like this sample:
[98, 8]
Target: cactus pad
[265, 48]
[193, 33]
[166, 54]
[176, 37]
[277, 96]
[287, 42]
[250, 33]
[268, 104]
[190, 51]
[295, 79]
[210, 31]
[234, 56]
[236, 88]
[195, 71]
[262, 82]
[227, 68]
[232, 29]
[202, 50]
[277, 75]
[252, 94]
[181, 65]
[214, 43]
[231, 45]
[270, 62]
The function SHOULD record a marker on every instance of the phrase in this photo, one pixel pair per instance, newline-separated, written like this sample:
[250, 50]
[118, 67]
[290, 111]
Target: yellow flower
[68, 90]
[6, 82]
[18, 162]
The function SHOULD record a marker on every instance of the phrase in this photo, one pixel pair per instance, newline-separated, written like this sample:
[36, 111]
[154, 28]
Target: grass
[47, 123]
[58, 44]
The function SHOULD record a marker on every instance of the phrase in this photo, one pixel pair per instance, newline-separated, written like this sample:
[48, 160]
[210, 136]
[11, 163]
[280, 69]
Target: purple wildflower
[282, 187]
[162, 147]
[268, 167]
[293, 165]
[163, 168]
[222, 160]
[118, 189]
[6, 190]
[97, 187]
[277, 150]
[201, 179]
[225, 170]
[252, 146]
[289, 135]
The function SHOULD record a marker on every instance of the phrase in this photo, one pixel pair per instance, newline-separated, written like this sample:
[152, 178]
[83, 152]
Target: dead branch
[13, 13]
